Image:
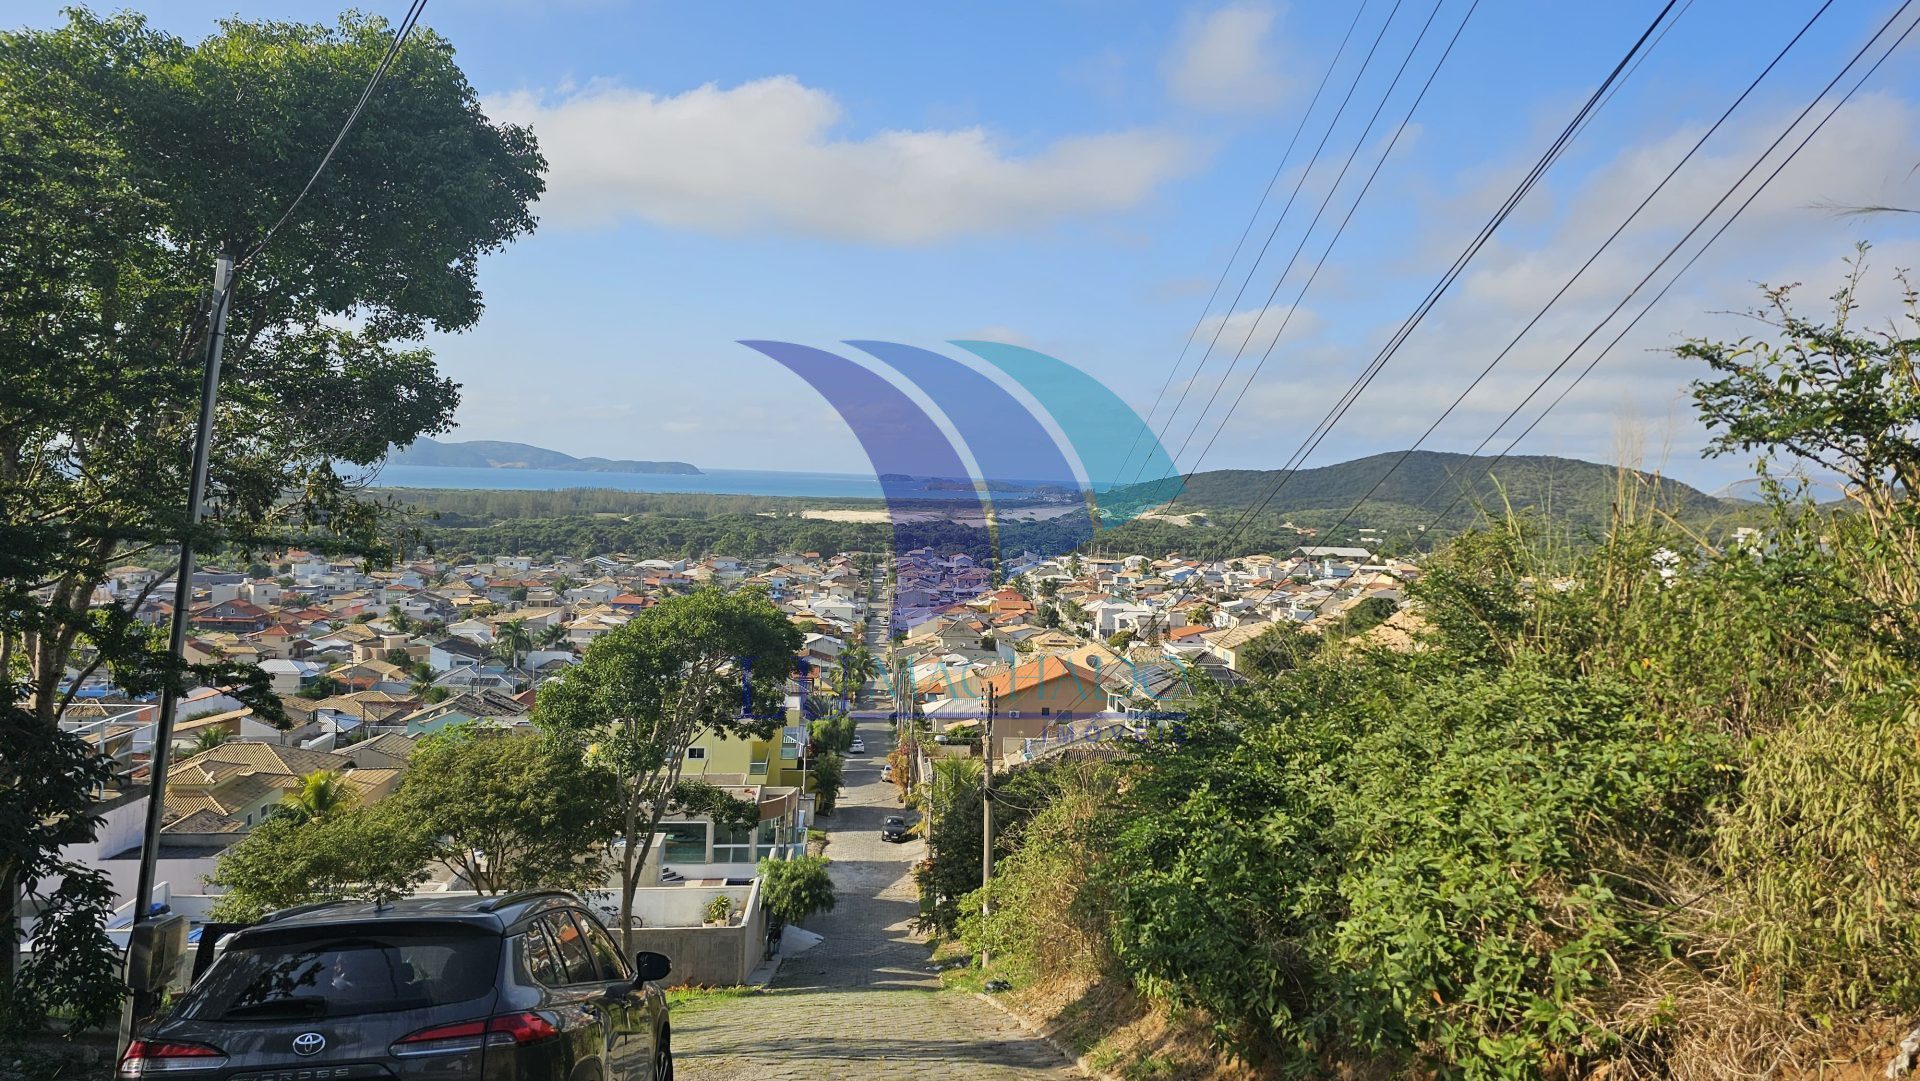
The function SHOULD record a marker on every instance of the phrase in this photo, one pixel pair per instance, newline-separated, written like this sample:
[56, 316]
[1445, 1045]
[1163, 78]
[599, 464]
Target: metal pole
[986, 810]
[140, 1003]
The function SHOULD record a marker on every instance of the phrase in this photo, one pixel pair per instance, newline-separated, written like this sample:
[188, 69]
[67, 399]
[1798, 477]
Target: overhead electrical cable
[1747, 202]
[1568, 285]
[1313, 160]
[373, 83]
[1332, 190]
[1265, 193]
[1387, 351]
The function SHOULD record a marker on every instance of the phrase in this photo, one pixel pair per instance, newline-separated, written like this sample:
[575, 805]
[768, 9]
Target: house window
[685, 842]
[733, 844]
[757, 769]
[1046, 711]
[695, 754]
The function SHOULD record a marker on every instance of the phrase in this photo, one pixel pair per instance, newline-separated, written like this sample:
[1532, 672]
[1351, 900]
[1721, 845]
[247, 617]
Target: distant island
[494, 454]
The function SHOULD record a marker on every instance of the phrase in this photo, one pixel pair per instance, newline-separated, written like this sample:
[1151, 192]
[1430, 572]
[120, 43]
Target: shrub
[797, 888]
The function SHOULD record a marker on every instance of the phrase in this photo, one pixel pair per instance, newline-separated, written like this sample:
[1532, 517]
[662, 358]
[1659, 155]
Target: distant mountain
[493, 454]
[1568, 489]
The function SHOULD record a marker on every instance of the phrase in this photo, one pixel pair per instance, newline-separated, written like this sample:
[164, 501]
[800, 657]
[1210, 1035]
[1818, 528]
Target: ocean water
[717, 481]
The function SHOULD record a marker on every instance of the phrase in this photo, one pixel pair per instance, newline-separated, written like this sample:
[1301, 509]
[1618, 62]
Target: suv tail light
[502, 1030]
[146, 1058]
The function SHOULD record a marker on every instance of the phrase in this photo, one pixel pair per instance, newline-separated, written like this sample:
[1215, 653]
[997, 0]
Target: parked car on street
[894, 828]
[859, 746]
[521, 986]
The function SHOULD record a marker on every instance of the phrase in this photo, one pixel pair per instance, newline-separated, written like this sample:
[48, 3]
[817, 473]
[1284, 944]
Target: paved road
[861, 1005]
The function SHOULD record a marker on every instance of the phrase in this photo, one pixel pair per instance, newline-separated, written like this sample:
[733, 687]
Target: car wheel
[663, 1063]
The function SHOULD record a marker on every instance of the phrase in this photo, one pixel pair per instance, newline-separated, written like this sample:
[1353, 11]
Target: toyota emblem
[309, 1043]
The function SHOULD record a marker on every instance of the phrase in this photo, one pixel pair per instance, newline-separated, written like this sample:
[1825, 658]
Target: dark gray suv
[523, 986]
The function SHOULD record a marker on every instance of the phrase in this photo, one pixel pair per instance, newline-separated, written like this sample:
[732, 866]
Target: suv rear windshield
[313, 972]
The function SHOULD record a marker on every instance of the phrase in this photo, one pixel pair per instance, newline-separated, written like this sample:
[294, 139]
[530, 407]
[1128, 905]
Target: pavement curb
[1079, 1061]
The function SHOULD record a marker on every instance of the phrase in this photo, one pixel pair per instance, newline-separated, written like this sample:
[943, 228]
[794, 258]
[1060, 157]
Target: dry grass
[1120, 1034]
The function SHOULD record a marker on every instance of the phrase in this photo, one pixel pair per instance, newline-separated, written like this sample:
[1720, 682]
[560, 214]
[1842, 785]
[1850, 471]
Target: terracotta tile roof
[1037, 672]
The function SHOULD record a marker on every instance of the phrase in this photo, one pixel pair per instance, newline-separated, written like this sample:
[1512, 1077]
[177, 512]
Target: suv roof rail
[495, 904]
[297, 910]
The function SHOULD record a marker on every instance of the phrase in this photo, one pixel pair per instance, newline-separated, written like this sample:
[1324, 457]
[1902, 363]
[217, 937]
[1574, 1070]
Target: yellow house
[773, 762]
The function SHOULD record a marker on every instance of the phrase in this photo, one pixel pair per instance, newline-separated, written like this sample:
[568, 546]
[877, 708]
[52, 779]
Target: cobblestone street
[860, 1005]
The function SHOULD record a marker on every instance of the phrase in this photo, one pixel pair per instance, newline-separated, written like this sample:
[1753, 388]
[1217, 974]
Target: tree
[129, 159]
[1283, 648]
[797, 888]
[826, 779]
[511, 811]
[1366, 614]
[512, 640]
[324, 687]
[321, 795]
[646, 690]
[365, 853]
[46, 777]
[953, 822]
[207, 739]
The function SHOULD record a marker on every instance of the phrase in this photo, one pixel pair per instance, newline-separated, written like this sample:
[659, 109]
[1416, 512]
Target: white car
[859, 746]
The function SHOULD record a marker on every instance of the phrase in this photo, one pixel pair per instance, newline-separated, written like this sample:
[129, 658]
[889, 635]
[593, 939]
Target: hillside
[1571, 490]
[494, 454]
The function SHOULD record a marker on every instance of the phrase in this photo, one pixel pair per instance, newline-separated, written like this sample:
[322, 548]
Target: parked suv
[522, 986]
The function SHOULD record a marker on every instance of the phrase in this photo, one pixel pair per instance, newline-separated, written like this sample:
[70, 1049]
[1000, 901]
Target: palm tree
[512, 639]
[321, 795]
[208, 739]
[954, 781]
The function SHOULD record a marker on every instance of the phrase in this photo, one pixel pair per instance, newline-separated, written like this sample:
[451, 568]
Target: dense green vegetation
[486, 506]
[1658, 819]
[1426, 482]
[1576, 497]
[129, 160]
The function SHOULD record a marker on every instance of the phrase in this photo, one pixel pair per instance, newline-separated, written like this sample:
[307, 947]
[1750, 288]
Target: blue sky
[1072, 176]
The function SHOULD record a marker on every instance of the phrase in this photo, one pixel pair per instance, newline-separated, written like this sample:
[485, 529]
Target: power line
[1584, 267]
[1239, 245]
[1332, 190]
[1313, 160]
[393, 49]
[1747, 202]
[1400, 335]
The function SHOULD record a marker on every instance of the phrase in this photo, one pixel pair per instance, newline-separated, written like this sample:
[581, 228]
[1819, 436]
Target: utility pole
[986, 809]
[141, 1002]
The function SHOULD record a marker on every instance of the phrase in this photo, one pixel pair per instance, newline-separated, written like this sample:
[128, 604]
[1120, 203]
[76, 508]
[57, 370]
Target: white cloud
[765, 155]
[1862, 156]
[1223, 60]
[1253, 330]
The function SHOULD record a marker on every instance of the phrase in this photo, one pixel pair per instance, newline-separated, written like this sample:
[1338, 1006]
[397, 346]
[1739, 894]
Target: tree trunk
[10, 955]
[630, 865]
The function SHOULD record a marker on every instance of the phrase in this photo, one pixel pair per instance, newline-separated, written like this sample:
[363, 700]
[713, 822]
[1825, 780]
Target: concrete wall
[707, 956]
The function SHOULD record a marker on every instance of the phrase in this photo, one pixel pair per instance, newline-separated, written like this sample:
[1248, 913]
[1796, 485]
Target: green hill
[1569, 490]
[495, 454]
